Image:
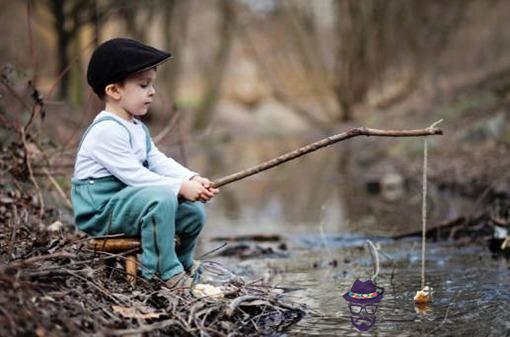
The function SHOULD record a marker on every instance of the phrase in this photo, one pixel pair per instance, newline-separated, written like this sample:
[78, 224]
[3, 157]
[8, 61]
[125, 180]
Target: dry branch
[362, 131]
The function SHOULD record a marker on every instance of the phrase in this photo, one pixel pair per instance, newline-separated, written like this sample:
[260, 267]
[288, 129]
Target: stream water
[471, 288]
[325, 210]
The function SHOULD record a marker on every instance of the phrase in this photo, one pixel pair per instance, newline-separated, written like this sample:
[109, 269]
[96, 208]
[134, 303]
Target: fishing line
[424, 212]
[424, 205]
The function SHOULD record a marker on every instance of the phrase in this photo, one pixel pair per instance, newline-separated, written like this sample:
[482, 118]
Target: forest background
[252, 79]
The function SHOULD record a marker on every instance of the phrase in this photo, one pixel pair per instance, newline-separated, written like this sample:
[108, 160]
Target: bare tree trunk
[352, 67]
[57, 7]
[175, 30]
[138, 17]
[69, 17]
[96, 23]
[215, 76]
[376, 35]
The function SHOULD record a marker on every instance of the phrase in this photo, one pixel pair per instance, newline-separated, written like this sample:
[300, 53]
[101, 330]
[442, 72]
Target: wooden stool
[120, 245]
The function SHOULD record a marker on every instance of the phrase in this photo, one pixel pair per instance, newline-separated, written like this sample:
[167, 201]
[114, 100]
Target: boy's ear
[112, 91]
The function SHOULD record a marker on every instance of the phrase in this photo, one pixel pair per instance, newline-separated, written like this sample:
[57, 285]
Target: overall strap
[105, 118]
[147, 140]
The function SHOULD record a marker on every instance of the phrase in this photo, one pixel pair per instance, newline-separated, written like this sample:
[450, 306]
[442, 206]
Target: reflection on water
[325, 206]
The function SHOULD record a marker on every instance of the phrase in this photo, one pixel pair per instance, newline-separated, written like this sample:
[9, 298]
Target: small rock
[55, 227]
[392, 186]
[6, 200]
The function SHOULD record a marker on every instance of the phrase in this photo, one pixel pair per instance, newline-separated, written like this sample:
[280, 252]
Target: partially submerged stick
[430, 131]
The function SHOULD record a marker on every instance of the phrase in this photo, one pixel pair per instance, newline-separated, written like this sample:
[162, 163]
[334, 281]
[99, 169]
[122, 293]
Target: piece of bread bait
[207, 290]
[423, 296]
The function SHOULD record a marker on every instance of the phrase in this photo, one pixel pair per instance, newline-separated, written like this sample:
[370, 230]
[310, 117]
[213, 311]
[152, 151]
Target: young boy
[122, 183]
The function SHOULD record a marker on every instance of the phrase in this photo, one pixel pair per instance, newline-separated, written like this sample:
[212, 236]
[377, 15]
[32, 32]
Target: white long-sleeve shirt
[106, 150]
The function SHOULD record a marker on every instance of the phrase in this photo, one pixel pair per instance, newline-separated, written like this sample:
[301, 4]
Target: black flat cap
[115, 59]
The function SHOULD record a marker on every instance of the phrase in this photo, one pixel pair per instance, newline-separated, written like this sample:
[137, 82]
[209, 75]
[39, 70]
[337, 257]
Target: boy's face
[137, 92]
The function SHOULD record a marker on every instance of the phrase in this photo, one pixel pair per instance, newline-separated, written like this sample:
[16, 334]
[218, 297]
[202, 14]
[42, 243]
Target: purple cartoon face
[363, 315]
[362, 301]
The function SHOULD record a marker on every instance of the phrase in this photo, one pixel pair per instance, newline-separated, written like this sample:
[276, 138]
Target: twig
[180, 143]
[66, 69]
[57, 186]
[96, 286]
[446, 313]
[13, 125]
[449, 305]
[35, 259]
[212, 251]
[169, 127]
[505, 243]
[238, 301]
[15, 222]
[393, 264]
[29, 166]
[147, 328]
[59, 152]
[15, 94]
[435, 124]
[362, 131]
[324, 242]
[37, 107]
[375, 257]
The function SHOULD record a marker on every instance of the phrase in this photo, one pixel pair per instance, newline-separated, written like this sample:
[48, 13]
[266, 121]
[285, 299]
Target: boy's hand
[192, 190]
[210, 191]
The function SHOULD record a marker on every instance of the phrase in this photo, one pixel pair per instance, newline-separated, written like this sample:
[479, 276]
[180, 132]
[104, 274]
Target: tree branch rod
[361, 131]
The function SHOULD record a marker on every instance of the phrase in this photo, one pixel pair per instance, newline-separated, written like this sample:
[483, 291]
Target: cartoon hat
[114, 60]
[364, 292]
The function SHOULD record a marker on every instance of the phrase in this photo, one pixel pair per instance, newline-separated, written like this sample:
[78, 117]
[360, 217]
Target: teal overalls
[104, 206]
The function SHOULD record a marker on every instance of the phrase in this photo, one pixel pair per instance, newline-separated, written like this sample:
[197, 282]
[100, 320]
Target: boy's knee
[196, 211]
[158, 194]
[199, 213]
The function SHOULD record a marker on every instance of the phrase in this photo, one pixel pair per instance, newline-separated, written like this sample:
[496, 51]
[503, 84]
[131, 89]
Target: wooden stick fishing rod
[362, 131]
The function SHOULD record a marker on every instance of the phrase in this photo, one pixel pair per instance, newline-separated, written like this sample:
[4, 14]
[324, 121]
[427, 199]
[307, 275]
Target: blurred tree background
[321, 59]
[260, 68]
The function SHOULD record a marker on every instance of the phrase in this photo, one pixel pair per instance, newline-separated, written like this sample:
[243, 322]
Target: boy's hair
[114, 60]
[102, 94]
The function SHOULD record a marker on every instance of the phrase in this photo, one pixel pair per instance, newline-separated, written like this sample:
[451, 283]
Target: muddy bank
[53, 284]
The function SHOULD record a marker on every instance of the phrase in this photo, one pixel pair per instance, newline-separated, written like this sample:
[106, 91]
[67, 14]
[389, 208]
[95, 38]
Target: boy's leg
[189, 221]
[148, 212]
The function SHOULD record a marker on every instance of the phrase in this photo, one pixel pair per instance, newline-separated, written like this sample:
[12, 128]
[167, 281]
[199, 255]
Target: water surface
[324, 207]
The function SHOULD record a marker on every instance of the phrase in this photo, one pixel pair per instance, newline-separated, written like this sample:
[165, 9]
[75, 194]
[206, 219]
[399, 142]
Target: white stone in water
[500, 232]
[392, 186]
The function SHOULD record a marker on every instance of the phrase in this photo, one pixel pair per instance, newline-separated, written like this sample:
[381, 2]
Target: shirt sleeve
[112, 150]
[166, 166]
